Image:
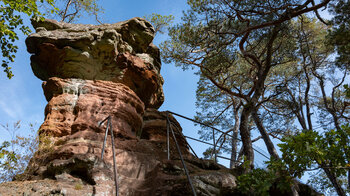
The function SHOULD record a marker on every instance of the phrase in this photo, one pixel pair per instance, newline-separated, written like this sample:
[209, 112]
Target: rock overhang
[122, 52]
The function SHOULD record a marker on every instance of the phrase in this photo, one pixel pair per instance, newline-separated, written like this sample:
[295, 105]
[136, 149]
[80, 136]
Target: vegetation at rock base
[328, 151]
[260, 182]
[14, 13]
[16, 153]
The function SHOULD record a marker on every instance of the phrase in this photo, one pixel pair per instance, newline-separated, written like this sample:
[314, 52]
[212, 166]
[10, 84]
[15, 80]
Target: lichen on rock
[121, 52]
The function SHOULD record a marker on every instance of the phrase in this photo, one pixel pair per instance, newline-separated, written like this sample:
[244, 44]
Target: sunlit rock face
[121, 52]
[91, 72]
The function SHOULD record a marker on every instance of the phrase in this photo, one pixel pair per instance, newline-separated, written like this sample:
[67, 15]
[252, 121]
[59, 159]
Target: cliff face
[91, 72]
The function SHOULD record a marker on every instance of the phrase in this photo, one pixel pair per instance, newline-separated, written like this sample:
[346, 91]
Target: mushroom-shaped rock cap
[122, 52]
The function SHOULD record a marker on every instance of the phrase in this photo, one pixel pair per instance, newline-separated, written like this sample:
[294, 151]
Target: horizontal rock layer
[71, 146]
[121, 52]
[91, 72]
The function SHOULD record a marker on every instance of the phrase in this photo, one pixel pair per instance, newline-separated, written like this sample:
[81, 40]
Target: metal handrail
[187, 144]
[109, 125]
[179, 151]
[191, 138]
[169, 128]
[216, 129]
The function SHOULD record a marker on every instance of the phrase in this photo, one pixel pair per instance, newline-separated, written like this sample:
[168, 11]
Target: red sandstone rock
[91, 72]
[121, 52]
[155, 128]
[77, 105]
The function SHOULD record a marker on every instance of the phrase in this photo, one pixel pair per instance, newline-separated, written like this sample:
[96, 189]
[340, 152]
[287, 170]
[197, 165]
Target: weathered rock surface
[155, 127]
[122, 52]
[91, 72]
[74, 166]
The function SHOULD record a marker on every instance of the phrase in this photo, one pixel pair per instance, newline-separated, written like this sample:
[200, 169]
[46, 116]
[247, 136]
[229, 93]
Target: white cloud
[10, 110]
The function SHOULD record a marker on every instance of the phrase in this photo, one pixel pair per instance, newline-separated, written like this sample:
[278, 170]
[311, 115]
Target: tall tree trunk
[306, 99]
[332, 110]
[259, 83]
[246, 136]
[269, 145]
[334, 181]
[233, 162]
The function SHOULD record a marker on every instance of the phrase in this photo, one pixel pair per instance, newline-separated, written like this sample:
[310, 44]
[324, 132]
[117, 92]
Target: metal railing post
[114, 160]
[105, 138]
[110, 127]
[167, 136]
[182, 160]
[189, 146]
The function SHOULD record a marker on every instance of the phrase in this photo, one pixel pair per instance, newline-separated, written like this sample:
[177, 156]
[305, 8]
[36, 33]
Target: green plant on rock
[209, 153]
[258, 182]
[261, 181]
[46, 143]
[78, 186]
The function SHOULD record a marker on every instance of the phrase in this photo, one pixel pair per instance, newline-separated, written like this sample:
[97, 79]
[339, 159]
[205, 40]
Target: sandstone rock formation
[91, 72]
[121, 52]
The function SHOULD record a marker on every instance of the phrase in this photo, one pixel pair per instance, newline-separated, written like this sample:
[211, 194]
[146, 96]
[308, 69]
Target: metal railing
[109, 125]
[214, 141]
[169, 129]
